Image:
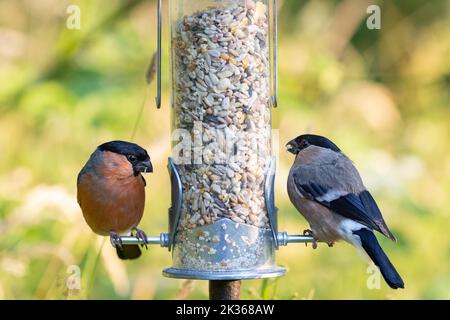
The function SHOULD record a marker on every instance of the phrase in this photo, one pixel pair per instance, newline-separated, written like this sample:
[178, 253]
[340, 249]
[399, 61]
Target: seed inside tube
[221, 80]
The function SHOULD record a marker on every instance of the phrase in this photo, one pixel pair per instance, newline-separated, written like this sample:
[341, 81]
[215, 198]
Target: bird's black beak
[144, 166]
[292, 147]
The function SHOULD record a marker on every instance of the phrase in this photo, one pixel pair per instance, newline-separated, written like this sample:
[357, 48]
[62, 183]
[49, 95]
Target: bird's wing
[358, 206]
[143, 180]
[79, 178]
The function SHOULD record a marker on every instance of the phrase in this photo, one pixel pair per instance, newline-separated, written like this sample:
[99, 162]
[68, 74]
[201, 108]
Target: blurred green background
[381, 95]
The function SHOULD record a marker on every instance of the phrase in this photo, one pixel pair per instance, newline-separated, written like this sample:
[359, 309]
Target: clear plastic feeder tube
[221, 120]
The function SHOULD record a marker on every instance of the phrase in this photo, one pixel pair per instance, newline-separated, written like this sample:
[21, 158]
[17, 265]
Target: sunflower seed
[222, 64]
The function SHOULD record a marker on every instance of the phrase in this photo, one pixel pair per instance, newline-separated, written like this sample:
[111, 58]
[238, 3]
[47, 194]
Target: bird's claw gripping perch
[309, 233]
[115, 239]
[140, 235]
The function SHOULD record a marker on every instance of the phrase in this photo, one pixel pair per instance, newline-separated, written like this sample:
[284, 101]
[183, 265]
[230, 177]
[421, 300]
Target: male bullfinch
[326, 188]
[111, 192]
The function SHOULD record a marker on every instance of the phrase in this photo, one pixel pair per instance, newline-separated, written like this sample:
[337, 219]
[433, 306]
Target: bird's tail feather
[373, 249]
[128, 252]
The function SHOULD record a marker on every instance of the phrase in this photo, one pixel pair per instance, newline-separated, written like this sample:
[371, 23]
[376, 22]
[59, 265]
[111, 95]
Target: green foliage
[382, 95]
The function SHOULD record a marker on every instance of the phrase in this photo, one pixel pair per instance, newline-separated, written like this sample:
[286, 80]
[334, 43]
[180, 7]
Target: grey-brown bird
[111, 192]
[326, 188]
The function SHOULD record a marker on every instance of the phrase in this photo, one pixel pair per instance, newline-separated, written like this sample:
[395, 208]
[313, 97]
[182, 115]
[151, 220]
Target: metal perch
[163, 239]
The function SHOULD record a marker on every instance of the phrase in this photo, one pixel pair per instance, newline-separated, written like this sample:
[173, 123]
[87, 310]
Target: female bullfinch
[326, 188]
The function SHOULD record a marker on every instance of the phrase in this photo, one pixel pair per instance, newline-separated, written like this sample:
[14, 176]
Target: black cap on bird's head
[136, 155]
[302, 142]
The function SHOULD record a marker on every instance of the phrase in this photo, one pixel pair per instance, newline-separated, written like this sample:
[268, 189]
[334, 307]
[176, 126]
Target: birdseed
[222, 91]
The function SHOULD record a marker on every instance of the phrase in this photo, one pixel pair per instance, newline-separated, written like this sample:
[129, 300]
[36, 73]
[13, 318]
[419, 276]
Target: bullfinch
[326, 188]
[111, 192]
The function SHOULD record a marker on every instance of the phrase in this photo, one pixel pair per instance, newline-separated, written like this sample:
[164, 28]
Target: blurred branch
[344, 23]
[185, 290]
[109, 20]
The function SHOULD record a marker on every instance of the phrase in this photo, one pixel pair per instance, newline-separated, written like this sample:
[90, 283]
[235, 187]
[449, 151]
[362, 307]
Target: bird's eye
[305, 144]
[131, 158]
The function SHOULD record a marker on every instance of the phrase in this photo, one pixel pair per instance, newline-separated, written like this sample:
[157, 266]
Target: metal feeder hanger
[249, 251]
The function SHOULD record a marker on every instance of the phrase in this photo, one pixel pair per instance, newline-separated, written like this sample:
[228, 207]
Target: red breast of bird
[111, 196]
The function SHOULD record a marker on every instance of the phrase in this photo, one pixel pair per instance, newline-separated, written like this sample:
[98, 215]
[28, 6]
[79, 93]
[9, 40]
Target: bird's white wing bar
[331, 195]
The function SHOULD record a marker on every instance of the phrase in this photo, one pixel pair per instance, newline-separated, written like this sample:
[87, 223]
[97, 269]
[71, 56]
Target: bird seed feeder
[223, 220]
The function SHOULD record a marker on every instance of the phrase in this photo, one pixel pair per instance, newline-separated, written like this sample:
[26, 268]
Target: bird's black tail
[372, 247]
[128, 252]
